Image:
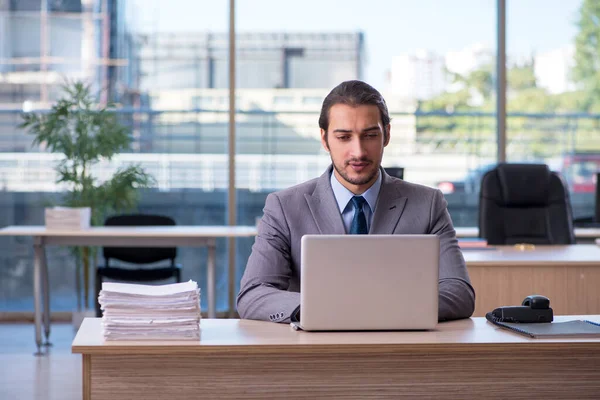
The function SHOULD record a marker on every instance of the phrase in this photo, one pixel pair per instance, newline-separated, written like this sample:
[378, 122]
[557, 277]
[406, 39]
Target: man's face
[355, 141]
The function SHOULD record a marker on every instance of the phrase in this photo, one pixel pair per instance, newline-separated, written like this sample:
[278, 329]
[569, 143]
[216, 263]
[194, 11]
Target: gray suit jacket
[271, 283]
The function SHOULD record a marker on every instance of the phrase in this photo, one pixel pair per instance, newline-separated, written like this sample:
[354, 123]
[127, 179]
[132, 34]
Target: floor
[24, 376]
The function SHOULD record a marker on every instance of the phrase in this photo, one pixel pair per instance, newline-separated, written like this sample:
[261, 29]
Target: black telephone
[534, 308]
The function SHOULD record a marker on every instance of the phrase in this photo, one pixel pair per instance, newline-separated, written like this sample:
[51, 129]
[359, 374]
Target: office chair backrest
[140, 255]
[397, 172]
[525, 203]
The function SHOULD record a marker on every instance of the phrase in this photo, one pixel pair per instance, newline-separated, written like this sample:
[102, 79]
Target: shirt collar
[343, 195]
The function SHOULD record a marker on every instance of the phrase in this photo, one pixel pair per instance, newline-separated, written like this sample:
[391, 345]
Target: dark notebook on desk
[570, 329]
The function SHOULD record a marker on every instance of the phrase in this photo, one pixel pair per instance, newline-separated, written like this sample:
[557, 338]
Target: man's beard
[358, 180]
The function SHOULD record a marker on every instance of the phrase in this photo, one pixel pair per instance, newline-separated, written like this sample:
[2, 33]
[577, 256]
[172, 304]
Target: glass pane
[435, 70]
[158, 73]
[552, 98]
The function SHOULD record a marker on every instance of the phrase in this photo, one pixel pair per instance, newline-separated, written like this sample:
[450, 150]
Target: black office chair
[525, 203]
[138, 256]
[397, 172]
[591, 221]
[597, 199]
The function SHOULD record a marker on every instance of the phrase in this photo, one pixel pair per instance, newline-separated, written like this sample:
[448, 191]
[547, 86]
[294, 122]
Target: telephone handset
[534, 308]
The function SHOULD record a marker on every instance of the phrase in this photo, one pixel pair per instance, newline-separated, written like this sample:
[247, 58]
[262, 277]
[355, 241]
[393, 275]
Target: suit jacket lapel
[389, 208]
[324, 208]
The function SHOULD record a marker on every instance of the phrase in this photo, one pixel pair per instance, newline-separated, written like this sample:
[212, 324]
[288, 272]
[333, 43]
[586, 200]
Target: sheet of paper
[149, 290]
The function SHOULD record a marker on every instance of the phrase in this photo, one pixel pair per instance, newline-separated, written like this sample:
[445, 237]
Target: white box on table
[68, 217]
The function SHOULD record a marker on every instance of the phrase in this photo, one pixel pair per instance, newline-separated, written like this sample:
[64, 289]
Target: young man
[353, 196]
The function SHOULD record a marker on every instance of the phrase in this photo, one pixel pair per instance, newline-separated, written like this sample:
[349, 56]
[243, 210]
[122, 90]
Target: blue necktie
[359, 222]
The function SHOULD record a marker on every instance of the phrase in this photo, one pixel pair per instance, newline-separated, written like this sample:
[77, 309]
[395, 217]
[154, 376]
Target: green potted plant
[85, 134]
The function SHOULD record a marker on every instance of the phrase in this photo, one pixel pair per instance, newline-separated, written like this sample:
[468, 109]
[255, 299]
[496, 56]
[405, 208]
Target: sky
[391, 27]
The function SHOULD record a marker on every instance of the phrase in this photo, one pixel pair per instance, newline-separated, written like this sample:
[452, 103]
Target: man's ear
[324, 140]
[386, 141]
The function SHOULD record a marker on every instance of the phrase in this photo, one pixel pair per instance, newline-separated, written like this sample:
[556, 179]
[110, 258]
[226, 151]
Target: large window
[435, 69]
[552, 91]
[166, 65]
[154, 59]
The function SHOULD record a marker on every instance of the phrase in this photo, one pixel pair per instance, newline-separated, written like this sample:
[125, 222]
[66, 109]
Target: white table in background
[580, 233]
[147, 236]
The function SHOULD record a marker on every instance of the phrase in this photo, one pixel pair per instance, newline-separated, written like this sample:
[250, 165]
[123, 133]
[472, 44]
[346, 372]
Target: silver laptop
[369, 282]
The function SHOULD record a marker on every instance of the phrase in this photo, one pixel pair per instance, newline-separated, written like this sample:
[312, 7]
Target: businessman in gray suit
[353, 196]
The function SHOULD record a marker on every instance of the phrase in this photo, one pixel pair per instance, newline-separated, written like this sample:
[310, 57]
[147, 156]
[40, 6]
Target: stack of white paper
[135, 312]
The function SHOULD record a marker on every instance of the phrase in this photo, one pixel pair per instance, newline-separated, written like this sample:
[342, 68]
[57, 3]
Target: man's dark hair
[354, 93]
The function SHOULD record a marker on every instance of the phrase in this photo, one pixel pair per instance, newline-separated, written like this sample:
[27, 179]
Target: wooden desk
[259, 360]
[568, 275]
[122, 236]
